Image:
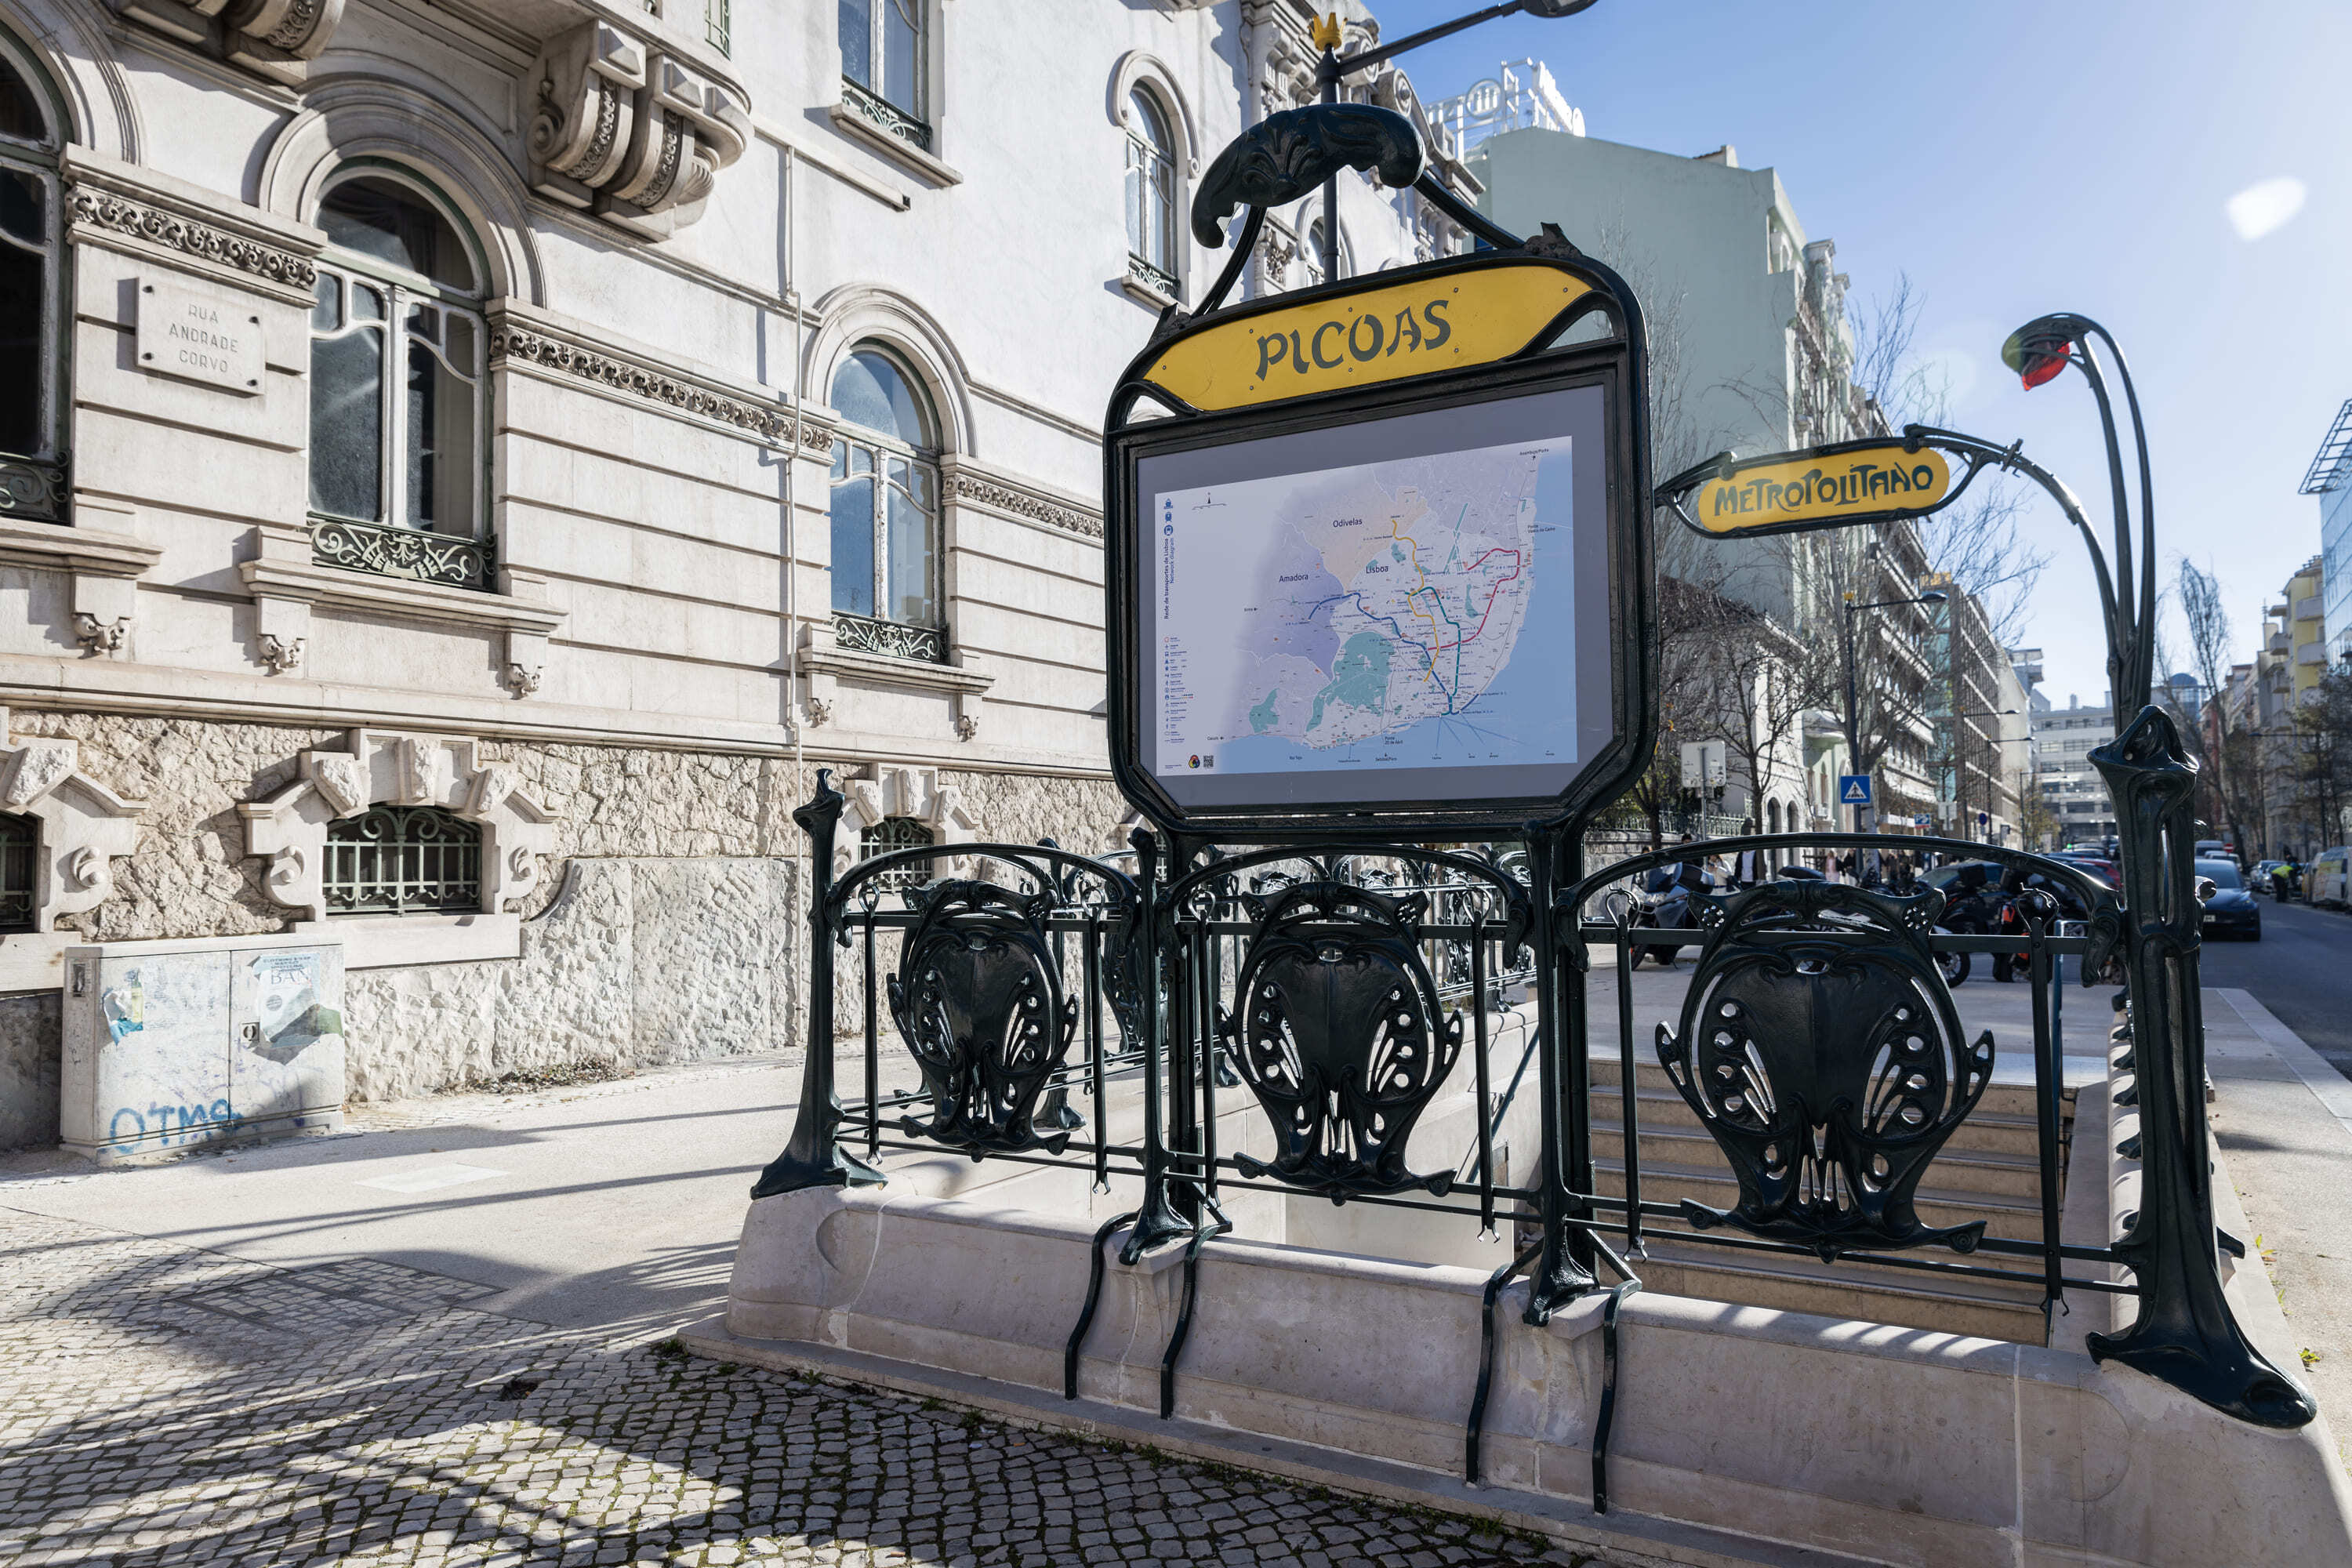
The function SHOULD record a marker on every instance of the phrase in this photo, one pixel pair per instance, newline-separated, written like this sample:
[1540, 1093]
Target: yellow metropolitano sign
[1452, 321]
[1852, 484]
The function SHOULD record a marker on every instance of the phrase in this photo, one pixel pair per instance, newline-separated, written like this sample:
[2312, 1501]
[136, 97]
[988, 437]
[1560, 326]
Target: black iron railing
[1339, 993]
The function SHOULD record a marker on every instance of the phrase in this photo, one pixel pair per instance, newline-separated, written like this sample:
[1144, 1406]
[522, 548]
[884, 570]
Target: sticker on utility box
[289, 1018]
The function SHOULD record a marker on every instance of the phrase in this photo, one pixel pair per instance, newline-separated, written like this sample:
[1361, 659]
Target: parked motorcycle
[1667, 906]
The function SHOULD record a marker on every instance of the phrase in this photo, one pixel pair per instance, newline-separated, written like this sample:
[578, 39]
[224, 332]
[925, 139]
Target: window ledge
[882, 669]
[95, 552]
[391, 941]
[300, 580]
[1145, 294]
[851, 123]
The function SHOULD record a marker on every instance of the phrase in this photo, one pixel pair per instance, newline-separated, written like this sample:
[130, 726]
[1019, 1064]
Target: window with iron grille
[404, 860]
[898, 833]
[20, 849]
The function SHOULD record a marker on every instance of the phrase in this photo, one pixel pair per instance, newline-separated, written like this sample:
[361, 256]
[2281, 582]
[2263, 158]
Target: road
[2301, 971]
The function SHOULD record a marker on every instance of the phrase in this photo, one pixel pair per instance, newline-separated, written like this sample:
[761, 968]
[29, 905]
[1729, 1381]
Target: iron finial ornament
[1288, 153]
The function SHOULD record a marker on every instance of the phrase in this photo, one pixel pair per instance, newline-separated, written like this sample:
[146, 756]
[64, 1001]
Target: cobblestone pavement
[161, 1405]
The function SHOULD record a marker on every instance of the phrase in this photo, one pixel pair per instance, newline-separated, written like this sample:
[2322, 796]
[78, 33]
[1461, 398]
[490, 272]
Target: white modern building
[2072, 793]
[468, 466]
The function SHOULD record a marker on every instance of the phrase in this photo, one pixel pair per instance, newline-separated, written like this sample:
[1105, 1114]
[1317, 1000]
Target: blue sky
[2018, 158]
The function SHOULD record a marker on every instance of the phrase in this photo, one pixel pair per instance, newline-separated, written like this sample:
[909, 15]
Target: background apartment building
[1753, 352]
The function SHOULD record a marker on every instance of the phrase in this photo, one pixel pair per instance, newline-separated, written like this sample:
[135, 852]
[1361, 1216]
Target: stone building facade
[464, 466]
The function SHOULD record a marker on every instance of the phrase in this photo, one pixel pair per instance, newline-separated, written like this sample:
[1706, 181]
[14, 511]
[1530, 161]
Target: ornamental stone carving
[91, 208]
[625, 128]
[282, 655]
[274, 37]
[883, 793]
[986, 492]
[509, 344]
[84, 826]
[98, 635]
[290, 829]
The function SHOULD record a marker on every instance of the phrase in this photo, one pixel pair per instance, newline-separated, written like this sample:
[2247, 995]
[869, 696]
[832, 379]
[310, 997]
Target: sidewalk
[441, 1341]
[2284, 1120]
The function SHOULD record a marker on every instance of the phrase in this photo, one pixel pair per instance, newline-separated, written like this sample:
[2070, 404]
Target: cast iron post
[1564, 1272]
[814, 1157]
[1158, 1220]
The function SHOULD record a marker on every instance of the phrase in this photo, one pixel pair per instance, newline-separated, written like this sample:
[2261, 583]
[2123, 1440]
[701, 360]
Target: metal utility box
[173, 1044]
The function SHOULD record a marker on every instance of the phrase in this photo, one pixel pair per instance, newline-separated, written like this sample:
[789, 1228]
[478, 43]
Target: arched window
[897, 833]
[1151, 196]
[886, 514]
[20, 888]
[404, 860]
[397, 403]
[32, 302]
[1772, 816]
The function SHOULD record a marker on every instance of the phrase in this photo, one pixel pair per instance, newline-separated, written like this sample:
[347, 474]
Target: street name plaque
[1377, 560]
[198, 333]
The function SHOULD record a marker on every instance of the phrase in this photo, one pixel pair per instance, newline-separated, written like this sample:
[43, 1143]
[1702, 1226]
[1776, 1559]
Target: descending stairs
[1988, 1170]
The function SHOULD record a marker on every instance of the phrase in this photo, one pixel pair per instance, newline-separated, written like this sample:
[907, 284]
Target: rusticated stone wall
[192, 877]
[668, 924]
[638, 962]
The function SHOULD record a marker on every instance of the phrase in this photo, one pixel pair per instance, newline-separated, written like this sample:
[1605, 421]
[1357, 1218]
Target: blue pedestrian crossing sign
[1854, 789]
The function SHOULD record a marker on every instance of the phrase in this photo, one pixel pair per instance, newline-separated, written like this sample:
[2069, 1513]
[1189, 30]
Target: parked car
[2214, 849]
[2100, 867]
[2231, 910]
[2265, 879]
[2325, 879]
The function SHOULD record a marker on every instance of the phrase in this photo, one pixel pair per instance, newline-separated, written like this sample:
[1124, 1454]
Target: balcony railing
[32, 490]
[892, 639]
[884, 116]
[1152, 277]
[407, 552]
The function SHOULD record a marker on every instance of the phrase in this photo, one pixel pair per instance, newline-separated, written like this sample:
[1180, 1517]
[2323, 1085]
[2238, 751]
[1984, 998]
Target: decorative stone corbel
[99, 636]
[623, 128]
[282, 655]
[523, 680]
[281, 632]
[84, 826]
[275, 38]
[289, 828]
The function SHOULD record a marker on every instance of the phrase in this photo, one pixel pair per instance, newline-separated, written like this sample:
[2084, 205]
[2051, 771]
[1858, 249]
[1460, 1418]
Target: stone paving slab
[162, 1404]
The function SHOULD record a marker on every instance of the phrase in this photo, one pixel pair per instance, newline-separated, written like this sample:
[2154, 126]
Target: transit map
[1403, 614]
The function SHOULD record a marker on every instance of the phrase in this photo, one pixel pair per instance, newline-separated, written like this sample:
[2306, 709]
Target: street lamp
[1853, 715]
[2039, 352]
[1333, 68]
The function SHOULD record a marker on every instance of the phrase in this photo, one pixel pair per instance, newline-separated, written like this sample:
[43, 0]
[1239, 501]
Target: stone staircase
[1988, 1170]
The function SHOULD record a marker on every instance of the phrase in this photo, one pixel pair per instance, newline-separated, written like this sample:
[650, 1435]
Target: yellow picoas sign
[1824, 487]
[1447, 322]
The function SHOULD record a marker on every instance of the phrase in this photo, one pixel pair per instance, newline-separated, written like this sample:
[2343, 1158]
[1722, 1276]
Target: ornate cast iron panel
[1337, 1032]
[1819, 1045]
[404, 553]
[978, 999]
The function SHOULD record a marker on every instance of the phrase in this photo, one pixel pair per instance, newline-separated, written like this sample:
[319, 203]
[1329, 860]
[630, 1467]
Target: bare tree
[2198, 596]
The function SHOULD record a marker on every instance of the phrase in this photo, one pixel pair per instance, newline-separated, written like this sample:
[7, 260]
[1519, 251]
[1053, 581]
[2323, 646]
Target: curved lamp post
[2184, 1333]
